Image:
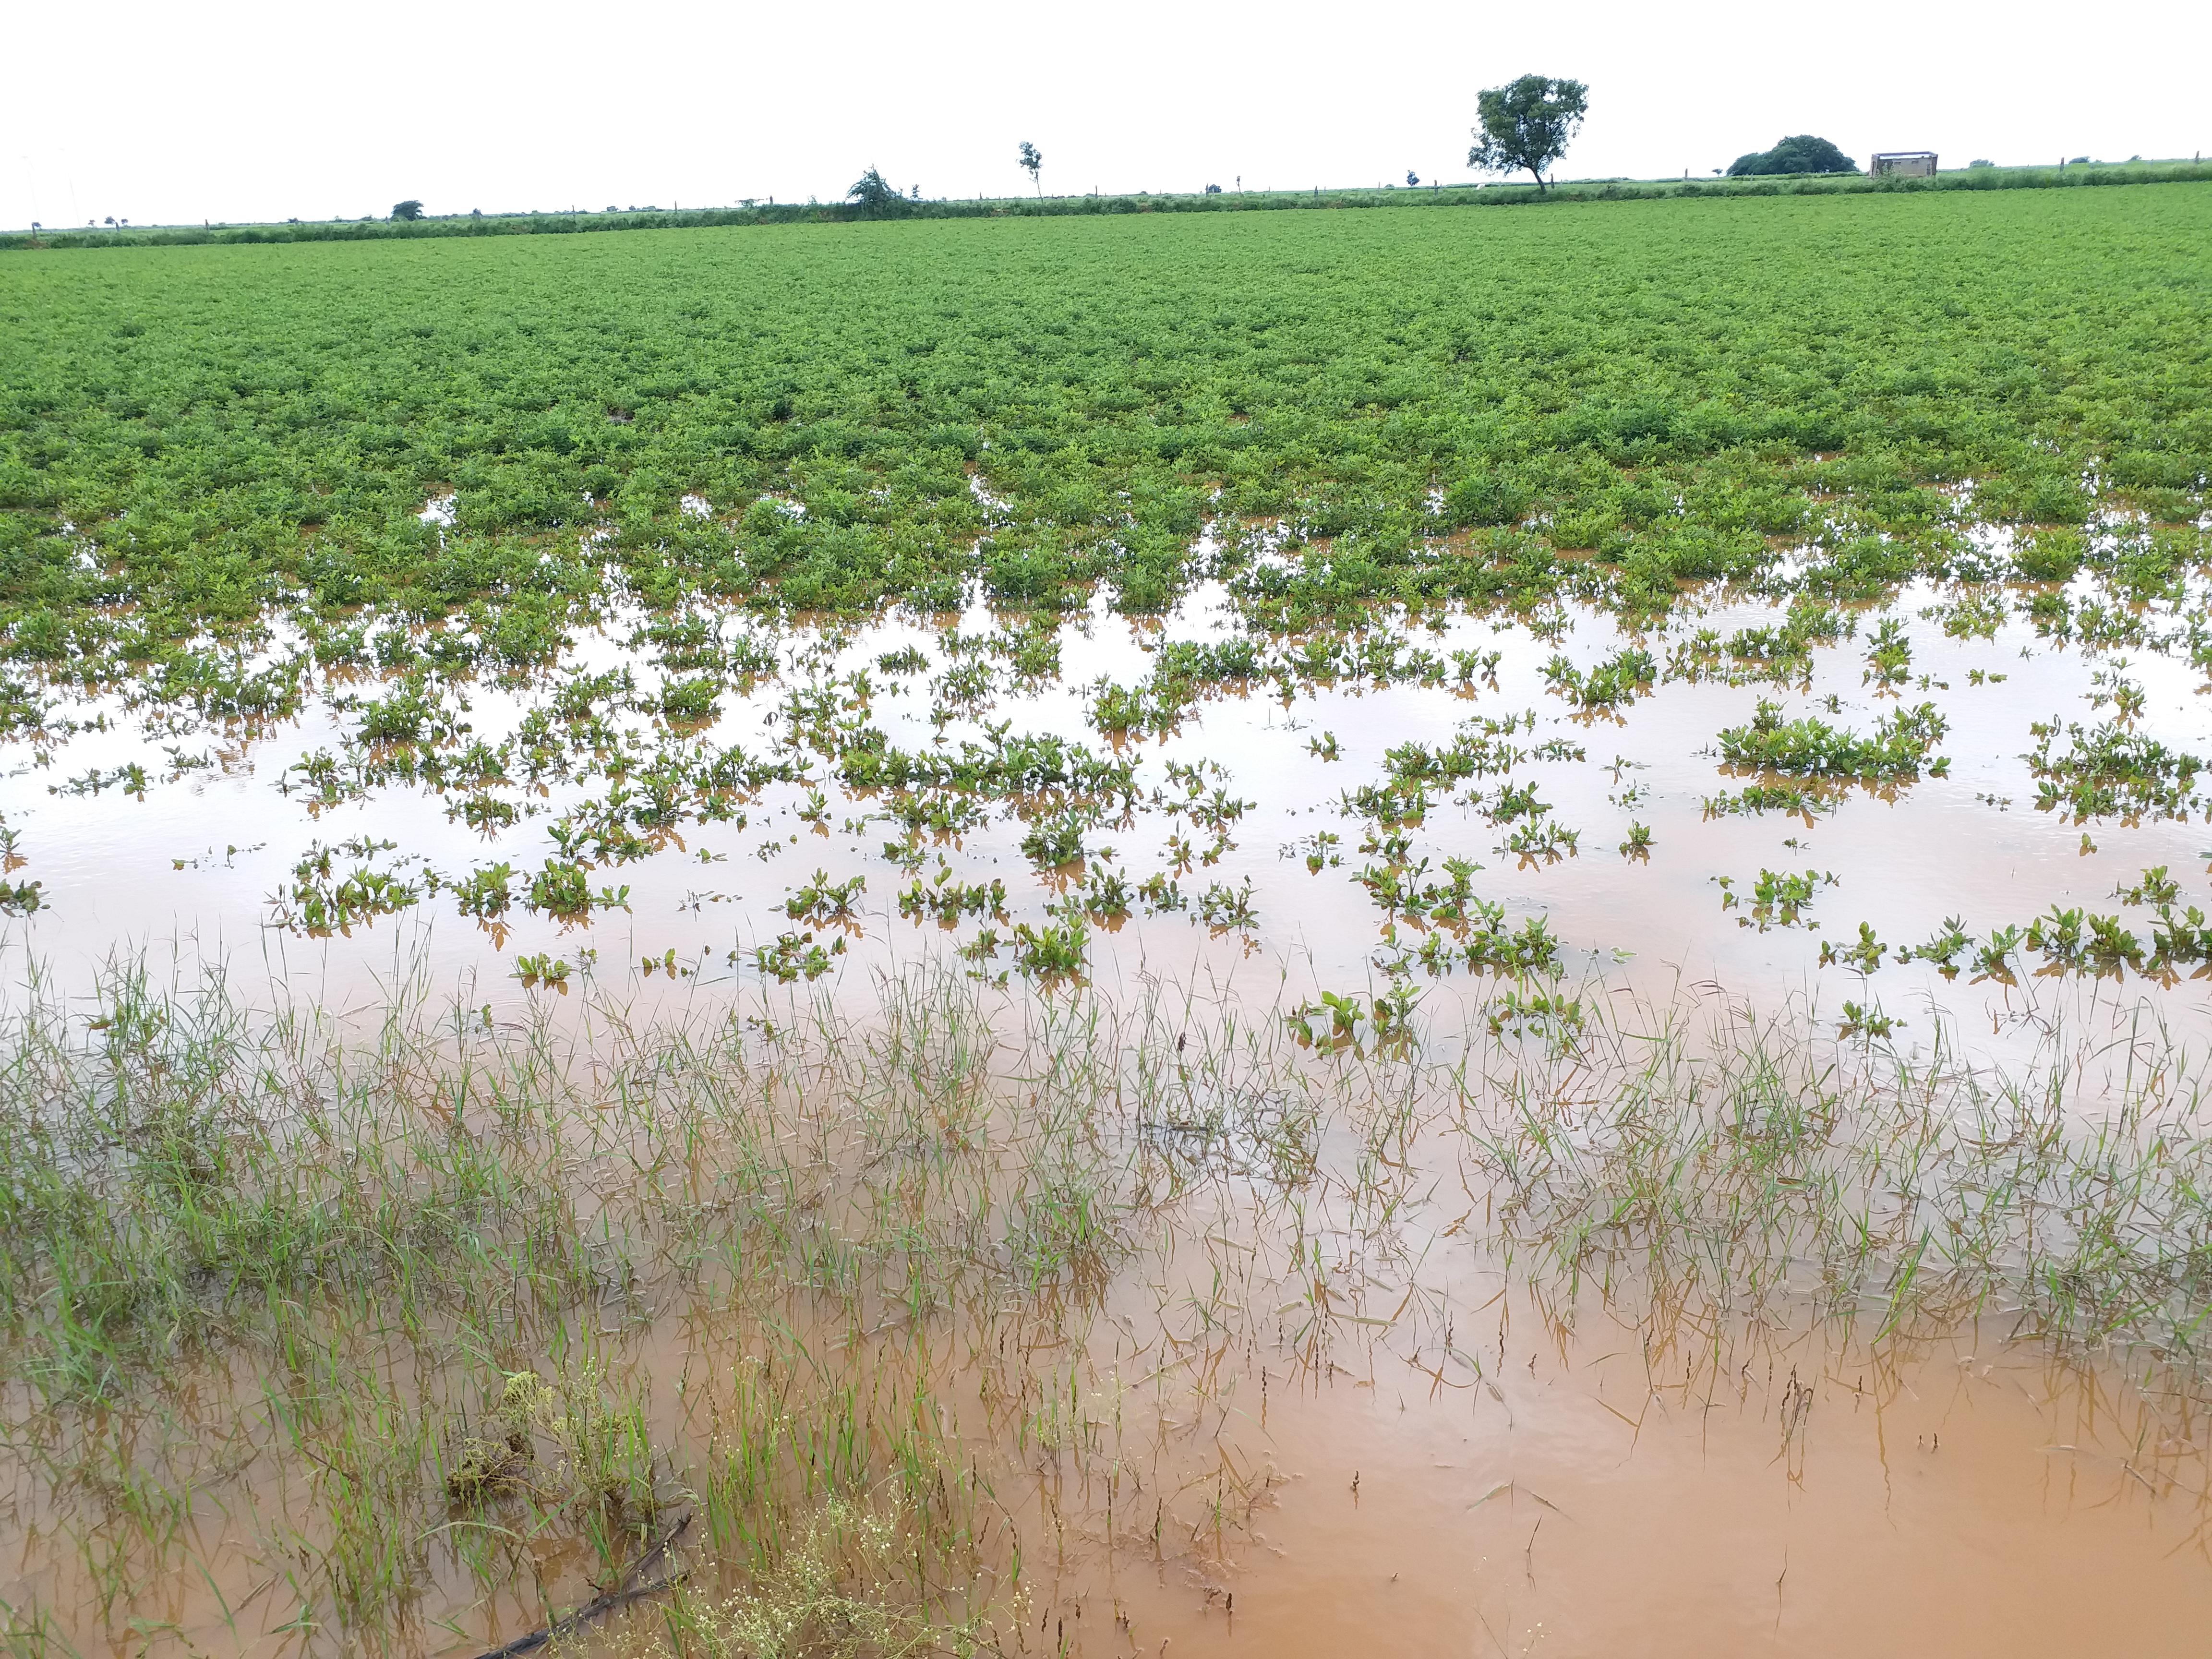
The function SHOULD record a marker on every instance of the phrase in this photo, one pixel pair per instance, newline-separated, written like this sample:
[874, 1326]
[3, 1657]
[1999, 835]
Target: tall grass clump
[1745, 1163]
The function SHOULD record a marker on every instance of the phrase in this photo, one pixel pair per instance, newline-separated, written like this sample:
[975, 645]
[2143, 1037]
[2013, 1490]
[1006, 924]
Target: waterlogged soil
[1566, 1489]
[1583, 1476]
[1642, 850]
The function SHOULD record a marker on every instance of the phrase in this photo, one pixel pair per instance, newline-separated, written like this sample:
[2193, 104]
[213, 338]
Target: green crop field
[1667, 386]
[243, 484]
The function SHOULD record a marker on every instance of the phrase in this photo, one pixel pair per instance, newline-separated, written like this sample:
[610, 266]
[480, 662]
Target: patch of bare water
[1583, 1498]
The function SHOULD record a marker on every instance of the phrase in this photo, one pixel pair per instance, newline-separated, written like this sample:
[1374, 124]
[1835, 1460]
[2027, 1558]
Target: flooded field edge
[947, 1316]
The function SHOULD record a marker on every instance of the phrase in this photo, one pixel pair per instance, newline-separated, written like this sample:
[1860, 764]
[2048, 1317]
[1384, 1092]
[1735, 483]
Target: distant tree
[1211, 189]
[410, 209]
[1802, 153]
[1981, 163]
[1527, 125]
[1032, 160]
[876, 199]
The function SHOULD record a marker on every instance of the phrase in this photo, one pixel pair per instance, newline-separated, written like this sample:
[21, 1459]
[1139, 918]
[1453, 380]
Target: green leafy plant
[1900, 747]
[1051, 950]
[486, 893]
[560, 888]
[797, 955]
[825, 900]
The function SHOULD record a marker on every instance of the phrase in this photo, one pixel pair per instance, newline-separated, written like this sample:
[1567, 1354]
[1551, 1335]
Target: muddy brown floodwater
[1966, 1497]
[1748, 1274]
[1585, 1493]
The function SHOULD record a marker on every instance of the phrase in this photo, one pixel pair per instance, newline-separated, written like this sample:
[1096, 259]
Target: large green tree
[1802, 154]
[410, 208]
[875, 197]
[1527, 125]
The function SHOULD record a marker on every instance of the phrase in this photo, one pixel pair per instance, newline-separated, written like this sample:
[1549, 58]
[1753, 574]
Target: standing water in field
[1121, 1320]
[1253, 950]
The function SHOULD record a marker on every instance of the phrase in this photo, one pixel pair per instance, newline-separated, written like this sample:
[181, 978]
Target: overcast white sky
[170, 113]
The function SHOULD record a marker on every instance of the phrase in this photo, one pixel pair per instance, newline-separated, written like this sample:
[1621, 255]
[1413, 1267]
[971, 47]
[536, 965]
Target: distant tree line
[1499, 195]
